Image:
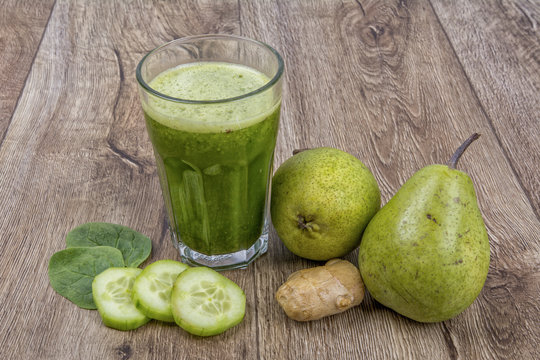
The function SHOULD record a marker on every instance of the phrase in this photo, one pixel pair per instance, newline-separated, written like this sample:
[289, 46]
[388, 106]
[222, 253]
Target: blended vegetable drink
[214, 169]
[213, 124]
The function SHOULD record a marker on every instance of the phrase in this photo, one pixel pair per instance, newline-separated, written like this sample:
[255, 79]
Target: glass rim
[261, 89]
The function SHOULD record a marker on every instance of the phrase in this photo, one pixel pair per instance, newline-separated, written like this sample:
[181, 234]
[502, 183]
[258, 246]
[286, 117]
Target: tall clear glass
[214, 149]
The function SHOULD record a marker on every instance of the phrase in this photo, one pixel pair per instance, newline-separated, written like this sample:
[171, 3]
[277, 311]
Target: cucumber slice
[152, 289]
[112, 294]
[206, 303]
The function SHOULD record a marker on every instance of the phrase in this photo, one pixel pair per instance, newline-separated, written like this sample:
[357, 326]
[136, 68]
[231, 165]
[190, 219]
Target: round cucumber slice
[152, 289]
[206, 303]
[112, 294]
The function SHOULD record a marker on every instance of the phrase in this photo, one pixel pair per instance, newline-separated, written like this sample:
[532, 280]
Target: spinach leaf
[135, 247]
[71, 271]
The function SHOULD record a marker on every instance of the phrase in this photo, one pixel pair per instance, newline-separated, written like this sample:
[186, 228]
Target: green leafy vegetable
[71, 271]
[135, 247]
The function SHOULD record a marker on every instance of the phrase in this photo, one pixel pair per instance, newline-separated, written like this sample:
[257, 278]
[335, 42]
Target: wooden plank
[23, 23]
[377, 79]
[498, 44]
[77, 151]
[380, 80]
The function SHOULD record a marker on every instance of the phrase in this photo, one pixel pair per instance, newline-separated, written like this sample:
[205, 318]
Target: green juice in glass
[214, 159]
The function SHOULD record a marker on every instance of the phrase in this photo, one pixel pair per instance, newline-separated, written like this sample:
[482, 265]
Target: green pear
[322, 200]
[425, 254]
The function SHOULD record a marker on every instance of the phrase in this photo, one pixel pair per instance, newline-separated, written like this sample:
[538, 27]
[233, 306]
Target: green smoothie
[214, 159]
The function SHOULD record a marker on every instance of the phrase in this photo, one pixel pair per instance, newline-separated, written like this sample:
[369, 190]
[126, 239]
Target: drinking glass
[214, 155]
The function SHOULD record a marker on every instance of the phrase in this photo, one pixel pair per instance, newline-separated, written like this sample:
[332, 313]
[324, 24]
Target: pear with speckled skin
[322, 200]
[425, 254]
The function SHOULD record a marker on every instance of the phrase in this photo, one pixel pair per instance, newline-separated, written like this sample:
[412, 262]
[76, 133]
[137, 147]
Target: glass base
[237, 260]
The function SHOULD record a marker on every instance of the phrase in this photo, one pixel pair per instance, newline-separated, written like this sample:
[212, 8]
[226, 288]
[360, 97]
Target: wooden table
[399, 84]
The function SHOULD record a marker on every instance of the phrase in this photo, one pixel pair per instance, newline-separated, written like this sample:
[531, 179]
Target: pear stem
[452, 163]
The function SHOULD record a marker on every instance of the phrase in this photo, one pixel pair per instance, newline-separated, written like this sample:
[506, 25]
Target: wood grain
[503, 67]
[396, 83]
[380, 81]
[22, 26]
[77, 151]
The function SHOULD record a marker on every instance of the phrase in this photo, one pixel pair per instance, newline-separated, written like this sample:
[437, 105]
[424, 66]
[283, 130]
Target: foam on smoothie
[204, 81]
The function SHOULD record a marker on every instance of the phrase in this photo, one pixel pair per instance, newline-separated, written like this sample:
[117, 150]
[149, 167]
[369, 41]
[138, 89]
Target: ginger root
[311, 294]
